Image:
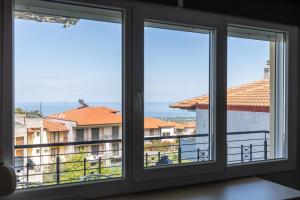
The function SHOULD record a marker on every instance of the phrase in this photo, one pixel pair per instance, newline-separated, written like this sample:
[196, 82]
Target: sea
[153, 109]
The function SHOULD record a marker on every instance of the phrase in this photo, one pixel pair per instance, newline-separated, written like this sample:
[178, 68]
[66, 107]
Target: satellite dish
[82, 103]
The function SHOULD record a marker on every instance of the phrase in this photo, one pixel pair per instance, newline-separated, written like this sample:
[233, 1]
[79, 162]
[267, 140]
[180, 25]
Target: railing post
[27, 173]
[265, 149]
[57, 170]
[146, 159]
[250, 152]
[242, 153]
[84, 166]
[99, 165]
[179, 155]
[198, 154]
[158, 156]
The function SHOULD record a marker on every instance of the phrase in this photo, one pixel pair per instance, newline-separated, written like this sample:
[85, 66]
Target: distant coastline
[159, 110]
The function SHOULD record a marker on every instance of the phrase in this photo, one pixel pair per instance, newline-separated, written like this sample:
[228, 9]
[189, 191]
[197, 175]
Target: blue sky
[55, 64]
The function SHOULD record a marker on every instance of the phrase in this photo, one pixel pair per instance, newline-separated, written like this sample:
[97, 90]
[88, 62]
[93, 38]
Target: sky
[56, 64]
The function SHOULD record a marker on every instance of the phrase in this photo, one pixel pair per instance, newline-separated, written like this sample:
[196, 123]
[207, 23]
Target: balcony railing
[68, 167]
[65, 165]
[247, 146]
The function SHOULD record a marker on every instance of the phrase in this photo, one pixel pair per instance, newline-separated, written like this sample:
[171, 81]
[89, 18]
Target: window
[19, 140]
[101, 136]
[256, 99]
[95, 150]
[176, 69]
[164, 134]
[139, 97]
[95, 133]
[55, 137]
[67, 57]
[79, 135]
[115, 132]
[115, 149]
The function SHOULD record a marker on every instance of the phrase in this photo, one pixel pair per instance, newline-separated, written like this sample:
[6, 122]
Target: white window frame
[135, 176]
[184, 18]
[290, 75]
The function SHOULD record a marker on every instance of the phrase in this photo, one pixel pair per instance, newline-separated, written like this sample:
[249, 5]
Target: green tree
[29, 114]
[72, 170]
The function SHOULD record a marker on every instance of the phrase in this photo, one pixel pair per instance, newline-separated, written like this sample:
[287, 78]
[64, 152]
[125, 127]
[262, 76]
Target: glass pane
[255, 96]
[68, 83]
[95, 133]
[176, 71]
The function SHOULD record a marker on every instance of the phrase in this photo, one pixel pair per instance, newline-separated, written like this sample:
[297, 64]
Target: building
[248, 121]
[247, 103]
[76, 128]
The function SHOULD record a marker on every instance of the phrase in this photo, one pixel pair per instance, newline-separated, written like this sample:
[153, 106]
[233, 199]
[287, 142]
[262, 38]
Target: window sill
[243, 188]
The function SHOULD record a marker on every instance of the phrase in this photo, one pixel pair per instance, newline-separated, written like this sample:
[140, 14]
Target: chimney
[267, 70]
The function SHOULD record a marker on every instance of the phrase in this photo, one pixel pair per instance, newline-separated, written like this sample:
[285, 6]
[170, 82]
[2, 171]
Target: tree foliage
[29, 114]
[72, 170]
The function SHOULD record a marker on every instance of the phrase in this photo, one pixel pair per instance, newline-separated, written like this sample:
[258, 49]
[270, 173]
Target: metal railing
[69, 166]
[246, 146]
[61, 163]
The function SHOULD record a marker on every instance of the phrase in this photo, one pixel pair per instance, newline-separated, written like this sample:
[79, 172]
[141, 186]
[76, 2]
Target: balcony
[65, 165]
[69, 166]
[242, 147]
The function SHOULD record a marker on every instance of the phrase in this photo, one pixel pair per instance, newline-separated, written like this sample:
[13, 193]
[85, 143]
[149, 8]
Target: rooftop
[90, 116]
[52, 126]
[253, 97]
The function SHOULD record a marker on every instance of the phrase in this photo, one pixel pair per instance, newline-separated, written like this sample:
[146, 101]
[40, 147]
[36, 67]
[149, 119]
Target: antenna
[41, 108]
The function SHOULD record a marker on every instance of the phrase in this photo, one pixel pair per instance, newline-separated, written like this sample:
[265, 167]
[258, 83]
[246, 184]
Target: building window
[176, 68]
[256, 100]
[151, 132]
[19, 140]
[79, 135]
[95, 150]
[95, 133]
[115, 149]
[164, 134]
[55, 137]
[115, 132]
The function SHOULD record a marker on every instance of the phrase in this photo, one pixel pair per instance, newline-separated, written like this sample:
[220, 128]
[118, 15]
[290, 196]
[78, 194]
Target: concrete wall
[236, 121]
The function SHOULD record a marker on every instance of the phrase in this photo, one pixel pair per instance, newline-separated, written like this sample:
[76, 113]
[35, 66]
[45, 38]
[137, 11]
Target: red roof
[154, 123]
[52, 126]
[254, 96]
[90, 116]
[105, 116]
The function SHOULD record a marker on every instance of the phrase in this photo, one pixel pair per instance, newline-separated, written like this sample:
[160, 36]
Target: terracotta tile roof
[154, 123]
[151, 123]
[254, 96]
[105, 116]
[52, 126]
[90, 116]
[31, 130]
